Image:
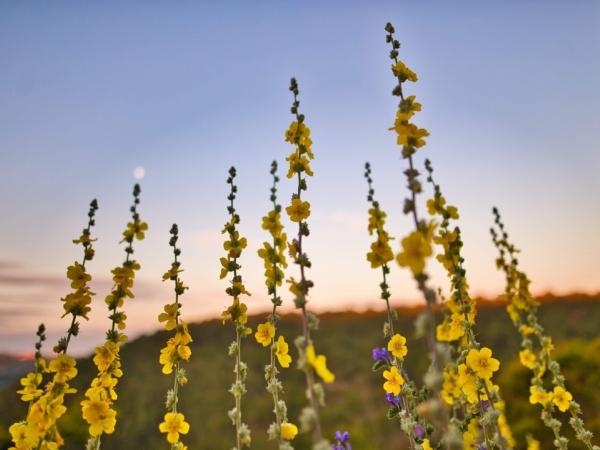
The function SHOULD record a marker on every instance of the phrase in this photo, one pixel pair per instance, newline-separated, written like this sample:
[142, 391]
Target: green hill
[355, 400]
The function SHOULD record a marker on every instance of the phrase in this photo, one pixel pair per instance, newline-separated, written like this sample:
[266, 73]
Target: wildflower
[298, 134]
[173, 425]
[298, 210]
[319, 363]
[394, 382]
[342, 441]
[281, 351]
[381, 354]
[393, 400]
[30, 385]
[78, 276]
[265, 333]
[170, 316]
[426, 445]
[98, 414]
[538, 395]
[403, 72]
[527, 358]
[561, 398]
[482, 363]
[288, 431]
[397, 345]
[63, 367]
[415, 249]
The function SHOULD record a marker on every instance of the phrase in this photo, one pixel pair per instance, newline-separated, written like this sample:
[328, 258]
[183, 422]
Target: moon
[139, 172]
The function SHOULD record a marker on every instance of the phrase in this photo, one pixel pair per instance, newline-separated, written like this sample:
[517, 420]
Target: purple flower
[485, 404]
[381, 354]
[342, 441]
[393, 400]
[419, 431]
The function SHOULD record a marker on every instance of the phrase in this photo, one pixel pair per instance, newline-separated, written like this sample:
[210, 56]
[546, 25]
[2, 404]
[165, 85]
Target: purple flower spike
[419, 431]
[381, 354]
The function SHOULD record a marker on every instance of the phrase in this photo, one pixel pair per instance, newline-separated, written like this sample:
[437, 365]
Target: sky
[90, 91]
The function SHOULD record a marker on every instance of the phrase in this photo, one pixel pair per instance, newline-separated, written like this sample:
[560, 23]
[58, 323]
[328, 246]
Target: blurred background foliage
[355, 401]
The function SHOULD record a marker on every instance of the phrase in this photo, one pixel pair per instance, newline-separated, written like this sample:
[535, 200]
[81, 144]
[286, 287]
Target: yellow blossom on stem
[288, 431]
[173, 425]
[394, 381]
[319, 363]
[265, 333]
[397, 346]
[281, 351]
[416, 248]
[561, 398]
[482, 363]
[298, 210]
[538, 395]
[527, 358]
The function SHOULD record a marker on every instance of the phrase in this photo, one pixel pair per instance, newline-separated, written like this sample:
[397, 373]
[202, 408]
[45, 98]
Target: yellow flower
[135, 229]
[415, 249]
[79, 278]
[381, 252]
[403, 72]
[30, 384]
[265, 333]
[426, 445]
[561, 398]
[98, 414]
[532, 444]
[482, 363]
[170, 316]
[298, 210]
[288, 431]
[77, 303]
[298, 164]
[527, 358]
[397, 346]
[467, 382]
[63, 367]
[538, 395]
[173, 424]
[281, 351]
[105, 355]
[319, 362]
[394, 382]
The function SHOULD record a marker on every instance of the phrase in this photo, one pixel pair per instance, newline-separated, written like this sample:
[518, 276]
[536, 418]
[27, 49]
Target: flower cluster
[273, 255]
[416, 247]
[176, 350]
[401, 392]
[298, 134]
[468, 377]
[536, 353]
[39, 429]
[236, 312]
[97, 408]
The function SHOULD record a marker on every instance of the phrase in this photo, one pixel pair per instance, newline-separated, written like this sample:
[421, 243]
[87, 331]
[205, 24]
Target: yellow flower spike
[394, 381]
[265, 333]
[319, 363]
[397, 346]
[298, 210]
[288, 431]
[426, 445]
[482, 363]
[173, 425]
[561, 398]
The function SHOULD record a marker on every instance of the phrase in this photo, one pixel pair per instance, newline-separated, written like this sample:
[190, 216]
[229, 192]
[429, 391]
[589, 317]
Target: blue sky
[90, 91]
